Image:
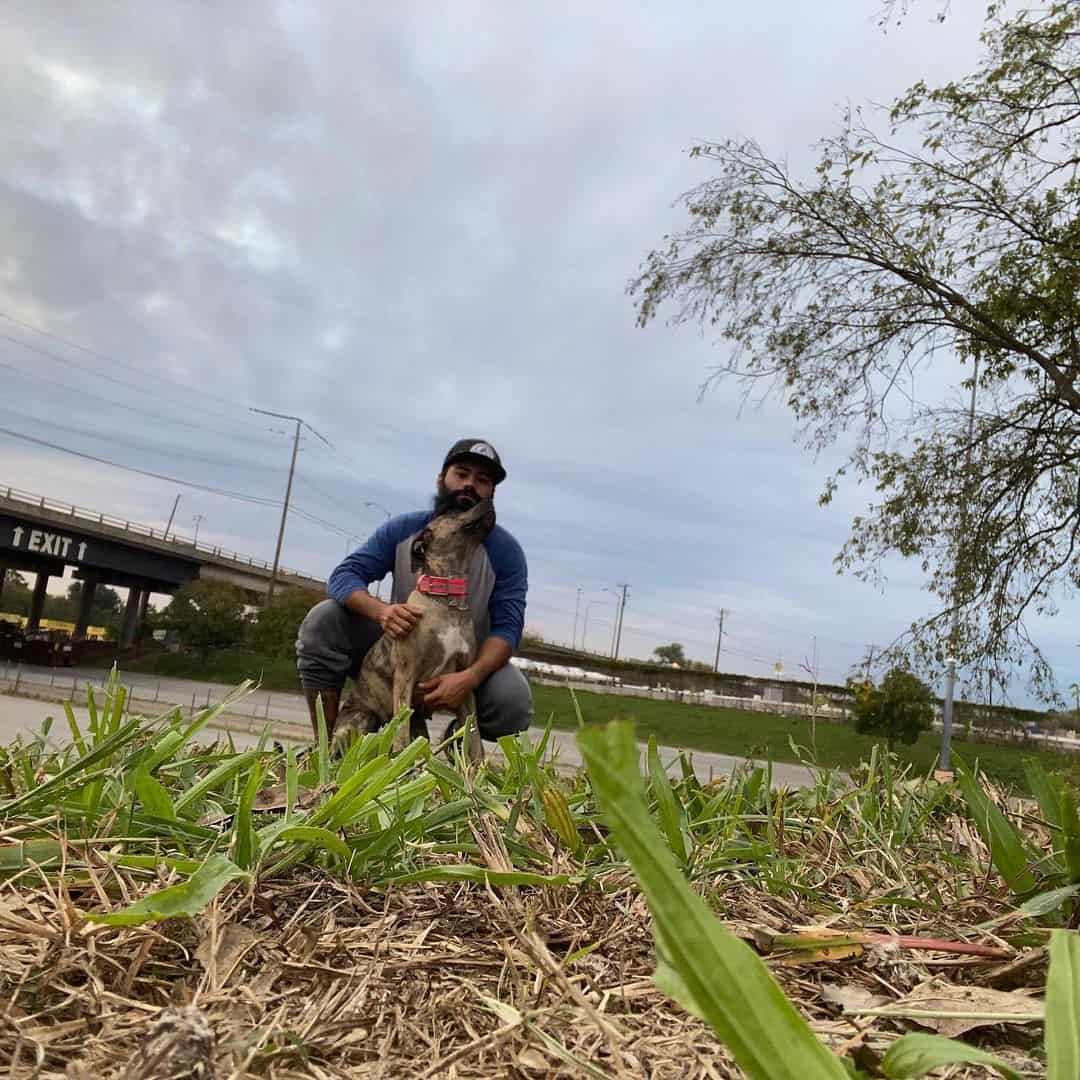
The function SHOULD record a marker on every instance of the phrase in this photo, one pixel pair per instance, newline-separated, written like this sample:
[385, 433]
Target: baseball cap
[480, 451]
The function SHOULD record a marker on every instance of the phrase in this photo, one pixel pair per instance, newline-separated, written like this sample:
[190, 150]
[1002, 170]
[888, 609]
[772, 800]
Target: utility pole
[288, 487]
[198, 519]
[577, 606]
[176, 503]
[618, 624]
[945, 756]
[719, 638]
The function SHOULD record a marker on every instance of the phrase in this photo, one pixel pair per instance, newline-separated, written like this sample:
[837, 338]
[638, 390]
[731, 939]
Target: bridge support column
[3, 579]
[86, 602]
[144, 604]
[37, 601]
[131, 614]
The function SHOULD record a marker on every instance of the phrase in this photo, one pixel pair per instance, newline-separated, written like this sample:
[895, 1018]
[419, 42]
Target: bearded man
[337, 633]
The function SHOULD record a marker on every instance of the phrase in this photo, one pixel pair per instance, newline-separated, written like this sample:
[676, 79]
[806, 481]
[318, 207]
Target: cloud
[411, 223]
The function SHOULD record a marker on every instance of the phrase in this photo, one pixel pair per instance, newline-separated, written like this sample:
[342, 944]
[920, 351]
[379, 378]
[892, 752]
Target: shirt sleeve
[374, 559]
[506, 608]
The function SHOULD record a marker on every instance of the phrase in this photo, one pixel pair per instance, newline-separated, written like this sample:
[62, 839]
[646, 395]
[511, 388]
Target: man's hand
[450, 690]
[399, 620]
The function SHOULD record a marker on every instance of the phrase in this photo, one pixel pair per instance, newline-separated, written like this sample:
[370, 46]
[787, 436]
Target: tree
[670, 654]
[105, 610]
[952, 243]
[17, 595]
[274, 630]
[207, 615]
[901, 709]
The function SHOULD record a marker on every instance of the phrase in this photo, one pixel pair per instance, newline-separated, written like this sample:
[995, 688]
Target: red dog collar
[442, 586]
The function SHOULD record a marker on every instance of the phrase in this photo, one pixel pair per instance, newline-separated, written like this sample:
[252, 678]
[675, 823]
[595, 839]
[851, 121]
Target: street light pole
[288, 488]
[577, 606]
[198, 519]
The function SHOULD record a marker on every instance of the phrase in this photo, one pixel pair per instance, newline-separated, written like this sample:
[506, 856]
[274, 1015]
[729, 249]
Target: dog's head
[445, 545]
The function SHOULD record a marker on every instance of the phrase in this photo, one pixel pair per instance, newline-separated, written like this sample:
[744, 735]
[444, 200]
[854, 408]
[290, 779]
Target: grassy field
[765, 735]
[723, 731]
[230, 666]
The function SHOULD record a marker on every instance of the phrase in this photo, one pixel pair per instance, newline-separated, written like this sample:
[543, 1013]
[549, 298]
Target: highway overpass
[44, 536]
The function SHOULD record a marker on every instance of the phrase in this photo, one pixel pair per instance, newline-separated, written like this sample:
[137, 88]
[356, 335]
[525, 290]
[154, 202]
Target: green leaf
[711, 970]
[914, 1056]
[213, 779]
[1008, 848]
[177, 901]
[1063, 1007]
[319, 838]
[668, 809]
[154, 796]
[1040, 904]
[245, 843]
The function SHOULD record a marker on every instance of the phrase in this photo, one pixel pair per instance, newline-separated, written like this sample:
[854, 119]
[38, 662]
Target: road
[287, 713]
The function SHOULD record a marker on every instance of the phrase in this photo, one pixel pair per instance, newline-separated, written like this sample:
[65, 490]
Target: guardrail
[83, 513]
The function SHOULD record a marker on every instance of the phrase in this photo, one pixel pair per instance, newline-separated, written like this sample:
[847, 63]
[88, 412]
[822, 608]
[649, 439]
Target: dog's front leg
[404, 689]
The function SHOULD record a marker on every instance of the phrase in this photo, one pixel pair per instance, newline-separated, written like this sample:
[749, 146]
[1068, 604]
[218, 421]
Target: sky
[412, 223]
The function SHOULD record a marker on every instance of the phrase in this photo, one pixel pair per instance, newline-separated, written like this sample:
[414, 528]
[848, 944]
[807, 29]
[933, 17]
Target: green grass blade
[1063, 1007]
[913, 1056]
[105, 748]
[481, 875]
[154, 796]
[214, 779]
[73, 726]
[1047, 790]
[245, 842]
[324, 838]
[1008, 848]
[722, 976]
[667, 807]
[184, 900]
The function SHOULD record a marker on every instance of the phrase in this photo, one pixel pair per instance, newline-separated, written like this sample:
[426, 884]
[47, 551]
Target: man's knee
[330, 644]
[504, 704]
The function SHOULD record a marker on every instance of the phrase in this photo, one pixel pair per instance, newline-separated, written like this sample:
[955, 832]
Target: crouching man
[337, 633]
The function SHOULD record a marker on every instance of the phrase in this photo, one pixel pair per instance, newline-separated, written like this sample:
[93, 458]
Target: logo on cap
[483, 449]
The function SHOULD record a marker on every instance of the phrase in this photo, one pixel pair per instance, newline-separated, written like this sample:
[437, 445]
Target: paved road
[20, 714]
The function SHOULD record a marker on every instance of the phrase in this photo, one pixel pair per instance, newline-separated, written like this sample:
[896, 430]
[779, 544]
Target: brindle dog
[442, 641]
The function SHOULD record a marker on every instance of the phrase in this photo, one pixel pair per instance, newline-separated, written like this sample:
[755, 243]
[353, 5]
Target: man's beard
[453, 502]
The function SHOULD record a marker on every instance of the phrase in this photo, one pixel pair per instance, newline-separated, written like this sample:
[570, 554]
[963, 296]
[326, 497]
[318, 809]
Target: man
[337, 633]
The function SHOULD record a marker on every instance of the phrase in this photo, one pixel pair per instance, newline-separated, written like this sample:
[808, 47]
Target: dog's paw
[344, 736]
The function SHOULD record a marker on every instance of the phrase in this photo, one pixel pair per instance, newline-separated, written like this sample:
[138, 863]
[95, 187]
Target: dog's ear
[418, 551]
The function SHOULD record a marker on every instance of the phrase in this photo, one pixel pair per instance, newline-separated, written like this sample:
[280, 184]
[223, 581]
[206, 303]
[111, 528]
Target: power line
[119, 404]
[261, 501]
[136, 444]
[97, 373]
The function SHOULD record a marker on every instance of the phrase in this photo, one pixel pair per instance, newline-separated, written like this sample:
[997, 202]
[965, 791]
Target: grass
[228, 666]
[399, 915]
[695, 727]
[766, 736]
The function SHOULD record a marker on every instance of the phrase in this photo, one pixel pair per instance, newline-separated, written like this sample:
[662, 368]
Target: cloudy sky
[408, 223]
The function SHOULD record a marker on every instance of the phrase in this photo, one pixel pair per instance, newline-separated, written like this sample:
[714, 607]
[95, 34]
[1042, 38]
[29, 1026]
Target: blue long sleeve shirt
[498, 574]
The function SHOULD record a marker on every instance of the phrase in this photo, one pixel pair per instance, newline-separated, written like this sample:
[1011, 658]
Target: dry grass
[315, 972]
[312, 976]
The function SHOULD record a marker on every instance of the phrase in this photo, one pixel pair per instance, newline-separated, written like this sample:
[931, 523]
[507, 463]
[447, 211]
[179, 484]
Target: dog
[442, 641]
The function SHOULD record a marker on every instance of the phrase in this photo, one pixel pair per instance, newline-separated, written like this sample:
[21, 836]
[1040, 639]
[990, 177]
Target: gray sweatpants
[333, 641]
